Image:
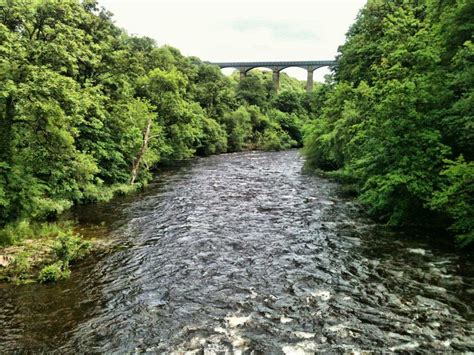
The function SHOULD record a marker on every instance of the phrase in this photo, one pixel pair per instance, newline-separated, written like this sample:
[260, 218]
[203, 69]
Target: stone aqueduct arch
[276, 67]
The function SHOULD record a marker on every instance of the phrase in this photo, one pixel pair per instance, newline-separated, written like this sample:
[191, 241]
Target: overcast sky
[229, 30]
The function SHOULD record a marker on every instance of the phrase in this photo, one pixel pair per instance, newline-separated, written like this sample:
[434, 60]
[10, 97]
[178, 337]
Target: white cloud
[247, 30]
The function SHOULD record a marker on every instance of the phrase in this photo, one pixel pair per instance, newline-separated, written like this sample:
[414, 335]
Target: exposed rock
[418, 251]
[284, 320]
[5, 260]
[236, 321]
[304, 335]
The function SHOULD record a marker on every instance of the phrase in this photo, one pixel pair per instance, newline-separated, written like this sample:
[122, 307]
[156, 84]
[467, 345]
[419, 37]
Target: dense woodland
[396, 121]
[88, 112]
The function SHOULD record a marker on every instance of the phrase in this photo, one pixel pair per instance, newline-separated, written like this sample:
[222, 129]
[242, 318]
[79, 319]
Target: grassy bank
[43, 252]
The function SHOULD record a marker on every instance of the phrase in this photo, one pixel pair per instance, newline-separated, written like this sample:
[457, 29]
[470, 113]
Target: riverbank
[28, 247]
[44, 252]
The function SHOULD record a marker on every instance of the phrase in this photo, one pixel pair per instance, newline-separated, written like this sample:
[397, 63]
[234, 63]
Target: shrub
[276, 139]
[14, 232]
[69, 247]
[456, 198]
[54, 272]
[21, 266]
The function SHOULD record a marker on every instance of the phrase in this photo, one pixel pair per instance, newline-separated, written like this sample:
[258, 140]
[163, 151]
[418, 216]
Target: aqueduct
[276, 67]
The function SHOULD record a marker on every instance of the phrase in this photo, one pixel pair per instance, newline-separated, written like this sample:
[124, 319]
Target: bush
[275, 139]
[14, 232]
[456, 198]
[69, 247]
[54, 272]
[214, 139]
[239, 129]
[290, 123]
[21, 266]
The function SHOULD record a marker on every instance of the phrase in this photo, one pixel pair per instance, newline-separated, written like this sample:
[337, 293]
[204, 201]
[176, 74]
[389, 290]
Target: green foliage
[253, 89]
[21, 266]
[289, 101]
[35, 243]
[214, 92]
[86, 111]
[214, 138]
[18, 231]
[70, 246]
[54, 272]
[15, 232]
[289, 123]
[399, 107]
[256, 88]
[456, 197]
[276, 139]
[239, 128]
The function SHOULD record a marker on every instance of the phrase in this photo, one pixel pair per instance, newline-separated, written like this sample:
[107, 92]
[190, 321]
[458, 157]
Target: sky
[244, 30]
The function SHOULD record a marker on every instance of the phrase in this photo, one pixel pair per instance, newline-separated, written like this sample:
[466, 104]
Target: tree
[399, 112]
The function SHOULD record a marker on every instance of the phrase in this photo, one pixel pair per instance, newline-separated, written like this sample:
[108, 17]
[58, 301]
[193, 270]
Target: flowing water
[245, 253]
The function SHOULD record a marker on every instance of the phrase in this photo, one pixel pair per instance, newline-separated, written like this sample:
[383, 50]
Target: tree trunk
[141, 152]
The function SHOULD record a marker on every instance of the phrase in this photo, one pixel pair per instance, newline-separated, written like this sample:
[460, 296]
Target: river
[245, 252]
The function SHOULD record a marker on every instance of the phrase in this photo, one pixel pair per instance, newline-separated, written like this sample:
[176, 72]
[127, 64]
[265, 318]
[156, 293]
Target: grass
[39, 251]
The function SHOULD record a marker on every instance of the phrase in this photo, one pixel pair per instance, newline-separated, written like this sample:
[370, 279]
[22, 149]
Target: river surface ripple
[245, 252]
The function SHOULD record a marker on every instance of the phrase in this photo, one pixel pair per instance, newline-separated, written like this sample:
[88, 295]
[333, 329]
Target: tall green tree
[397, 119]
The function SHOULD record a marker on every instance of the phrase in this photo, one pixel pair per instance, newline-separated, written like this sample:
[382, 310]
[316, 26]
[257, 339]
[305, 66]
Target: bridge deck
[303, 63]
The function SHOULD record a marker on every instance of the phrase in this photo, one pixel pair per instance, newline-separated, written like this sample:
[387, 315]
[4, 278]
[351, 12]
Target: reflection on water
[245, 252]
